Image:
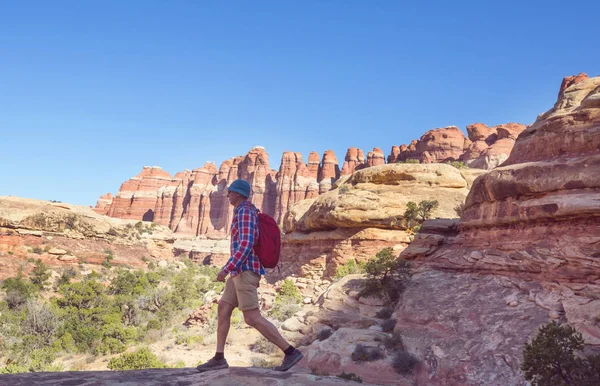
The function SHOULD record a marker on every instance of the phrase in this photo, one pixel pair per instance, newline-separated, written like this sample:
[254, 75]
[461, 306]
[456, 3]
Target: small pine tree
[386, 275]
[415, 214]
[40, 274]
[550, 359]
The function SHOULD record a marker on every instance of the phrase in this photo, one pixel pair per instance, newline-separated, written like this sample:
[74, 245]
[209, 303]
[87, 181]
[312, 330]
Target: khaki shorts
[241, 291]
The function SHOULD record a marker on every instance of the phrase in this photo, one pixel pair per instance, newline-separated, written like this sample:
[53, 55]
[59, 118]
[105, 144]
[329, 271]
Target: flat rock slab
[233, 376]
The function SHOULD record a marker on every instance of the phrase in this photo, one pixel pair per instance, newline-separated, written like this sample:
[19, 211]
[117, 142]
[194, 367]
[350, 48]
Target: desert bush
[415, 214]
[289, 289]
[142, 358]
[263, 363]
[37, 250]
[40, 320]
[404, 362]
[40, 274]
[65, 277]
[388, 325]
[324, 334]
[263, 346]
[460, 209]
[555, 357]
[385, 313]
[386, 275]
[13, 368]
[362, 353]
[457, 164]
[287, 301]
[394, 342]
[351, 267]
[350, 377]
[343, 189]
[18, 291]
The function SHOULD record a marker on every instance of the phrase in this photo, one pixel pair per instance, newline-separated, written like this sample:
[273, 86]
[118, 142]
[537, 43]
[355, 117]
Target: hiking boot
[289, 361]
[213, 364]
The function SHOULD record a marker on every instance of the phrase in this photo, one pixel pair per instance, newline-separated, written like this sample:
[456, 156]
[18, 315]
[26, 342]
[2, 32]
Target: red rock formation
[490, 145]
[136, 198]
[255, 169]
[103, 203]
[569, 81]
[537, 216]
[329, 171]
[355, 159]
[441, 145]
[375, 157]
[485, 148]
[314, 163]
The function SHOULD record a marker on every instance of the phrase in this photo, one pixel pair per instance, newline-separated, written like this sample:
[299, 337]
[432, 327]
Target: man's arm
[246, 229]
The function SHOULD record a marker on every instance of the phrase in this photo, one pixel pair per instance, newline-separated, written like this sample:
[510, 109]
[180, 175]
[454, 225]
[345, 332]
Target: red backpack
[268, 245]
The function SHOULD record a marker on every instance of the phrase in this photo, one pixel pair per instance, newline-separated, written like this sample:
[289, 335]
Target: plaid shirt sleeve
[246, 226]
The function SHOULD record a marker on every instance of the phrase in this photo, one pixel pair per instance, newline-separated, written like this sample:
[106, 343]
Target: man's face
[233, 197]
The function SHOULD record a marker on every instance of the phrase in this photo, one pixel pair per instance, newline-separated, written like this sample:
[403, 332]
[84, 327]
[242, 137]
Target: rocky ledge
[233, 376]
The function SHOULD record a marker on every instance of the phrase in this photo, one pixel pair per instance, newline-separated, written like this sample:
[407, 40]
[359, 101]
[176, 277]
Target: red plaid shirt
[244, 230]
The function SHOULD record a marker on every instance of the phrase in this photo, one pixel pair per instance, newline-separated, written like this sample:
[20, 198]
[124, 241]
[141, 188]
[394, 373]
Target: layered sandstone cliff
[537, 216]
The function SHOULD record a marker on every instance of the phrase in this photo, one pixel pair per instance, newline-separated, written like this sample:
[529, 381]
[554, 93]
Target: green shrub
[40, 320]
[38, 250]
[350, 377]
[289, 289]
[263, 346]
[415, 214]
[284, 308]
[40, 274]
[386, 276]
[18, 291]
[349, 268]
[457, 164]
[13, 368]
[263, 363]
[555, 357]
[142, 358]
[404, 362]
[460, 209]
[343, 189]
[362, 353]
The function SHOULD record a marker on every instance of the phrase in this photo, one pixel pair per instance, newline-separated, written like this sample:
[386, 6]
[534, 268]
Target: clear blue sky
[90, 91]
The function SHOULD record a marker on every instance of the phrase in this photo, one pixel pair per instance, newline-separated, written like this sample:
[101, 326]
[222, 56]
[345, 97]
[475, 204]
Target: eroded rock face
[195, 202]
[485, 148]
[364, 214]
[537, 217]
[490, 146]
[103, 203]
[294, 183]
[377, 196]
[136, 198]
[354, 160]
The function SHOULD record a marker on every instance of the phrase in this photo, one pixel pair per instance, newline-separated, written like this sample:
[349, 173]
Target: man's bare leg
[267, 329]
[224, 311]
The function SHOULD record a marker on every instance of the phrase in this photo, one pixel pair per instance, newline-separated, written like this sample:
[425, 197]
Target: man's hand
[221, 276]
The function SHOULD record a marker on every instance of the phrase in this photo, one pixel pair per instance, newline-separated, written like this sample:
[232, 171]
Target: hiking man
[244, 270]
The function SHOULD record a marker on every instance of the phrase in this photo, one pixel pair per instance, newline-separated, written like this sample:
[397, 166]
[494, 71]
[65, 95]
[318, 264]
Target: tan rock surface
[63, 234]
[377, 197]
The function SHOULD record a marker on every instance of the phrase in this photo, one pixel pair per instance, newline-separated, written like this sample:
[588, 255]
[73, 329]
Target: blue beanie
[240, 186]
